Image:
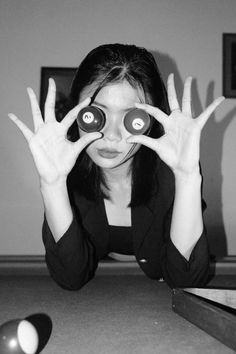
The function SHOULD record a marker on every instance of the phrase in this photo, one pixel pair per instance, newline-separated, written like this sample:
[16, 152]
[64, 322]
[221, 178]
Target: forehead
[115, 93]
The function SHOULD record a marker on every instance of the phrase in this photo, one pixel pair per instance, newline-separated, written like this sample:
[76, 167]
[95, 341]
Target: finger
[186, 99]
[172, 97]
[153, 111]
[37, 116]
[72, 115]
[49, 108]
[144, 140]
[23, 128]
[204, 116]
[85, 140]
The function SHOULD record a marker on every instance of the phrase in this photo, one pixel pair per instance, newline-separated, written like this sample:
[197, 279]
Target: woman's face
[115, 100]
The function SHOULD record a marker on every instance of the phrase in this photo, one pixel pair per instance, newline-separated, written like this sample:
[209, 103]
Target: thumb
[144, 140]
[204, 116]
[85, 140]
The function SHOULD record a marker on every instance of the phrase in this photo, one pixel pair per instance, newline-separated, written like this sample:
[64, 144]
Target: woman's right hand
[54, 155]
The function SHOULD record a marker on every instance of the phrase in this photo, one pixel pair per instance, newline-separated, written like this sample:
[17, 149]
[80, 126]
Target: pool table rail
[216, 319]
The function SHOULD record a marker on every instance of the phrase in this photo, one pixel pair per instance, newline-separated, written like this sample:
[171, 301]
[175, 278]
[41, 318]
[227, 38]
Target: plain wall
[185, 37]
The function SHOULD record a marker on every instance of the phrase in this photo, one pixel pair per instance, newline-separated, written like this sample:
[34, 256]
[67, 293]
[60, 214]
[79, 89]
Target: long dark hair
[114, 63]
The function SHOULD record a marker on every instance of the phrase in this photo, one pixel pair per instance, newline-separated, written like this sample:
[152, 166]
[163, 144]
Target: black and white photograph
[117, 172]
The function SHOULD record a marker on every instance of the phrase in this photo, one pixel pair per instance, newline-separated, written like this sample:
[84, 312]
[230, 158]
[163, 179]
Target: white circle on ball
[88, 117]
[138, 123]
[27, 337]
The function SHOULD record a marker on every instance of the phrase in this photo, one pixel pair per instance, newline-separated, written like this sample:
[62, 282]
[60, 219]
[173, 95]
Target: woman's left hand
[179, 146]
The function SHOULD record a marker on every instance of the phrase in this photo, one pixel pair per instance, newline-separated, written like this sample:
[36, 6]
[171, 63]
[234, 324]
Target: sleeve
[72, 260]
[179, 272]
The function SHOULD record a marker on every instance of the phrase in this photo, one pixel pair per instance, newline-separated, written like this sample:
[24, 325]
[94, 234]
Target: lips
[108, 153]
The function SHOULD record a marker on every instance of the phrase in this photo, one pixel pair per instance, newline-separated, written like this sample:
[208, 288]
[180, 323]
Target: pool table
[119, 311]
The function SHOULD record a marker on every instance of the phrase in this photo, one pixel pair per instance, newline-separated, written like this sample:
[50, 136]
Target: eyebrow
[104, 106]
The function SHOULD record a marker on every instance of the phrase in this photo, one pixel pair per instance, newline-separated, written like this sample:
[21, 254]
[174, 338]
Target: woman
[116, 193]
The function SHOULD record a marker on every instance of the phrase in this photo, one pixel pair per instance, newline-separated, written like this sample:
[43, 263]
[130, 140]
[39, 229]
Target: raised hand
[179, 146]
[53, 154]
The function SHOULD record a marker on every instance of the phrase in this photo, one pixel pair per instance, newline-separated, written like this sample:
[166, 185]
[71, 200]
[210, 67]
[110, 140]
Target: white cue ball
[18, 337]
[27, 337]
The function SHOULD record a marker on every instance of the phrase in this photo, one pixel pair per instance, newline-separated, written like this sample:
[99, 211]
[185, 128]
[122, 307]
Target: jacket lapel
[95, 222]
[142, 218]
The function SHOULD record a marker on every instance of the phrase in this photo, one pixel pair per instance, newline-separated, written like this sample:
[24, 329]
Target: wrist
[59, 184]
[57, 207]
[188, 177]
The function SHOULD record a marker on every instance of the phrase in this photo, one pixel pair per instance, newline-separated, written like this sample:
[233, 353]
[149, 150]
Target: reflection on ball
[18, 337]
[91, 119]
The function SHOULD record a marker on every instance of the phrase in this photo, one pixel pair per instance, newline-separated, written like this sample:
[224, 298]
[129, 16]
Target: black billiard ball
[91, 119]
[137, 121]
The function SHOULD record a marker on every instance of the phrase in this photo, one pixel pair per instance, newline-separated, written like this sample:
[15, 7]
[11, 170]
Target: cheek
[129, 150]
[91, 149]
[124, 133]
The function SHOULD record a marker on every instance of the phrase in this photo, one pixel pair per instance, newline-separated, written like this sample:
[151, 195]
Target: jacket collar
[142, 218]
[95, 222]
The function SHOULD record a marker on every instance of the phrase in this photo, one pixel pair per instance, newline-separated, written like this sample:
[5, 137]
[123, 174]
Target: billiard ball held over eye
[92, 119]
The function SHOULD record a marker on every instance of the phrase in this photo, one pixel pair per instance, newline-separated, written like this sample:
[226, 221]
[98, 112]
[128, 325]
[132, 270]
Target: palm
[179, 146]
[53, 154]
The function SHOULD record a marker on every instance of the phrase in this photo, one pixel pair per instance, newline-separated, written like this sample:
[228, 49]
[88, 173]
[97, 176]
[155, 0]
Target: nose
[112, 130]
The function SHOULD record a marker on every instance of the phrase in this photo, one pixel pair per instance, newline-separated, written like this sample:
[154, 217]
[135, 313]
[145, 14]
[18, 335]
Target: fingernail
[139, 104]
[128, 141]
[29, 90]
[220, 99]
[87, 100]
[11, 116]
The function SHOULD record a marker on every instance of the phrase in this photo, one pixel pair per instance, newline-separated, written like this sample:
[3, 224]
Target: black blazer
[73, 260]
